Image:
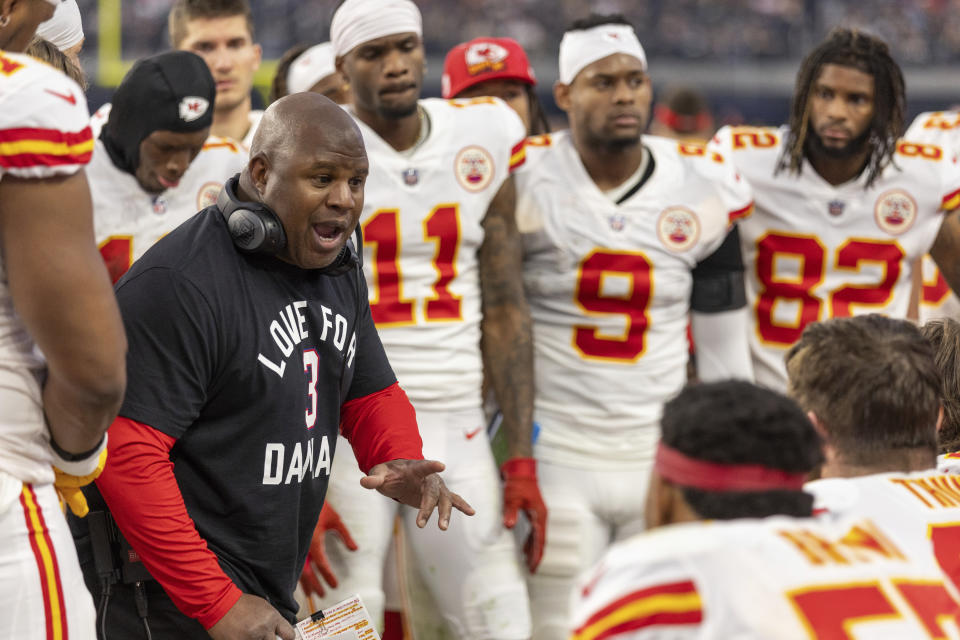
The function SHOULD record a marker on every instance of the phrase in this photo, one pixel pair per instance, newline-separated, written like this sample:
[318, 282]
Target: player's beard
[612, 144]
[852, 148]
[398, 111]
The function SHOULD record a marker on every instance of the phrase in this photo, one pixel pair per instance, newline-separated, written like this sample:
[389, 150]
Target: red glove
[520, 491]
[317, 556]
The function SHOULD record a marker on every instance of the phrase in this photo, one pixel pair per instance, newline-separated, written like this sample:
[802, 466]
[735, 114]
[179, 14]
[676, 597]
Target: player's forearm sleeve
[723, 350]
[139, 487]
[381, 426]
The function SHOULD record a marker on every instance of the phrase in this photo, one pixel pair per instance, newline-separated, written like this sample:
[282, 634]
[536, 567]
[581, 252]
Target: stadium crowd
[655, 379]
[922, 31]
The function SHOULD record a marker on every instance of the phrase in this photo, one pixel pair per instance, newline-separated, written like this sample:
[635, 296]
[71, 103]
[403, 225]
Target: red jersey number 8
[850, 256]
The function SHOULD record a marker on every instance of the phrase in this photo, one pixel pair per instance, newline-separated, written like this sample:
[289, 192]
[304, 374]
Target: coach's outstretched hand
[417, 483]
[252, 618]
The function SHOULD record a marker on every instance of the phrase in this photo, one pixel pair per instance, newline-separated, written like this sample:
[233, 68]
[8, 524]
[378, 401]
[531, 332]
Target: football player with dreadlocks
[844, 207]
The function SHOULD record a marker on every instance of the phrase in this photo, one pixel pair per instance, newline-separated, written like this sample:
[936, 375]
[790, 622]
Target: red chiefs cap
[483, 59]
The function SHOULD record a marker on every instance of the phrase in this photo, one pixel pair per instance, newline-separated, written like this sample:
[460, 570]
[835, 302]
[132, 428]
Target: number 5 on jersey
[389, 307]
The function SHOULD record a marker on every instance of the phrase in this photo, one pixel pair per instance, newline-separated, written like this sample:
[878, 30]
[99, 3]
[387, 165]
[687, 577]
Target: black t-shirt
[246, 360]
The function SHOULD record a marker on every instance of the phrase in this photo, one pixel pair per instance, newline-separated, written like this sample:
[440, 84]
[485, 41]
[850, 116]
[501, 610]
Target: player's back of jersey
[609, 288]
[778, 578]
[814, 250]
[919, 509]
[422, 227]
[941, 128]
[128, 220]
[44, 132]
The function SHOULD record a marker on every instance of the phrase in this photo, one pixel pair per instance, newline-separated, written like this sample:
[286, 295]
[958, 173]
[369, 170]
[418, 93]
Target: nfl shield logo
[159, 206]
[411, 177]
[835, 207]
[617, 222]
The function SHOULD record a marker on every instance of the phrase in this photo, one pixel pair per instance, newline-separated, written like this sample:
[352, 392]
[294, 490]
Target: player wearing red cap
[495, 67]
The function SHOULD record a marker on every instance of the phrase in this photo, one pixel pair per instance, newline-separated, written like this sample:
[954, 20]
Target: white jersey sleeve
[44, 122]
[941, 128]
[784, 578]
[609, 287]
[128, 220]
[815, 250]
[422, 227]
[44, 133]
[920, 510]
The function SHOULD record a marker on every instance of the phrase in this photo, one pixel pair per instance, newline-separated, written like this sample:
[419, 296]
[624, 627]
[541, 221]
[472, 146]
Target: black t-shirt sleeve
[372, 371]
[718, 279]
[172, 336]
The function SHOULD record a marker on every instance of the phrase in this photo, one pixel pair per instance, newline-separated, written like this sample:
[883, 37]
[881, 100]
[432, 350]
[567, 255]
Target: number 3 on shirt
[633, 304]
[389, 307]
[812, 255]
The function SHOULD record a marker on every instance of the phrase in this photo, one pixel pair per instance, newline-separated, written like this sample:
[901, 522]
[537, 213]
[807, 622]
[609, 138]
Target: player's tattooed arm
[507, 334]
[946, 249]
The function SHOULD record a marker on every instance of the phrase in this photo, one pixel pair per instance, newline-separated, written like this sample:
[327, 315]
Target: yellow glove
[68, 487]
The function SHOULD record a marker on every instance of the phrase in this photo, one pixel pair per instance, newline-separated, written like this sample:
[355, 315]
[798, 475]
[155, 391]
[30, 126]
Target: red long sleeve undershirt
[139, 487]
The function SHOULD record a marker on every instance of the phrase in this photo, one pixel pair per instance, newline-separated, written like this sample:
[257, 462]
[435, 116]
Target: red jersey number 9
[633, 305]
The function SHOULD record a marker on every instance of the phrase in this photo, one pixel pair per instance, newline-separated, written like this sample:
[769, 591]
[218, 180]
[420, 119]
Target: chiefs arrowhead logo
[193, 107]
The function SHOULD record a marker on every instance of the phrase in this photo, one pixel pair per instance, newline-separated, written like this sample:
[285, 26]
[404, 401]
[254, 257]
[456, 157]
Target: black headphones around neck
[256, 228]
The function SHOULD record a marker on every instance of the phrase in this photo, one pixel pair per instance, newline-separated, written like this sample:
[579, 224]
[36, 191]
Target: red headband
[682, 123]
[713, 476]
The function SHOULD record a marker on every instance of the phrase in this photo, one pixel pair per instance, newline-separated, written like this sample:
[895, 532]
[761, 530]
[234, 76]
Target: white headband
[310, 67]
[64, 29]
[581, 48]
[359, 21]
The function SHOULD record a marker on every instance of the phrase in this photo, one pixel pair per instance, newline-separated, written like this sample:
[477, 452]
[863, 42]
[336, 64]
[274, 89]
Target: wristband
[525, 467]
[77, 464]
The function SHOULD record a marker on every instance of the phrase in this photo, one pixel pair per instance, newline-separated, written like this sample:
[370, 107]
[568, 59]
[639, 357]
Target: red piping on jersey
[745, 212]
[713, 476]
[142, 493]
[951, 200]
[674, 603]
[381, 426]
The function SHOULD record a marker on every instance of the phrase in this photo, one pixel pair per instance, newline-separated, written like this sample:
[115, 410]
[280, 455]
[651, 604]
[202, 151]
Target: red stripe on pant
[55, 616]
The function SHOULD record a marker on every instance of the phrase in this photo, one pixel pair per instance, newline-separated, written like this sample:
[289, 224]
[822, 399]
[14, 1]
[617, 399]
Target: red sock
[392, 625]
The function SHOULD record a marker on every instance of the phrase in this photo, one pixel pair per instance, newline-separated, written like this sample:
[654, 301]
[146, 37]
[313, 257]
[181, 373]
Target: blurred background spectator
[742, 54]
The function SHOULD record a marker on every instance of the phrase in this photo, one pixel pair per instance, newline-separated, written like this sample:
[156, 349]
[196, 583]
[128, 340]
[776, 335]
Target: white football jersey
[941, 128]
[948, 463]
[815, 251]
[421, 223]
[609, 290]
[777, 578]
[915, 508]
[44, 132]
[128, 220]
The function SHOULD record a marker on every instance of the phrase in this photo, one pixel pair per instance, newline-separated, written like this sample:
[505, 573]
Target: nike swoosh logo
[69, 97]
[470, 434]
